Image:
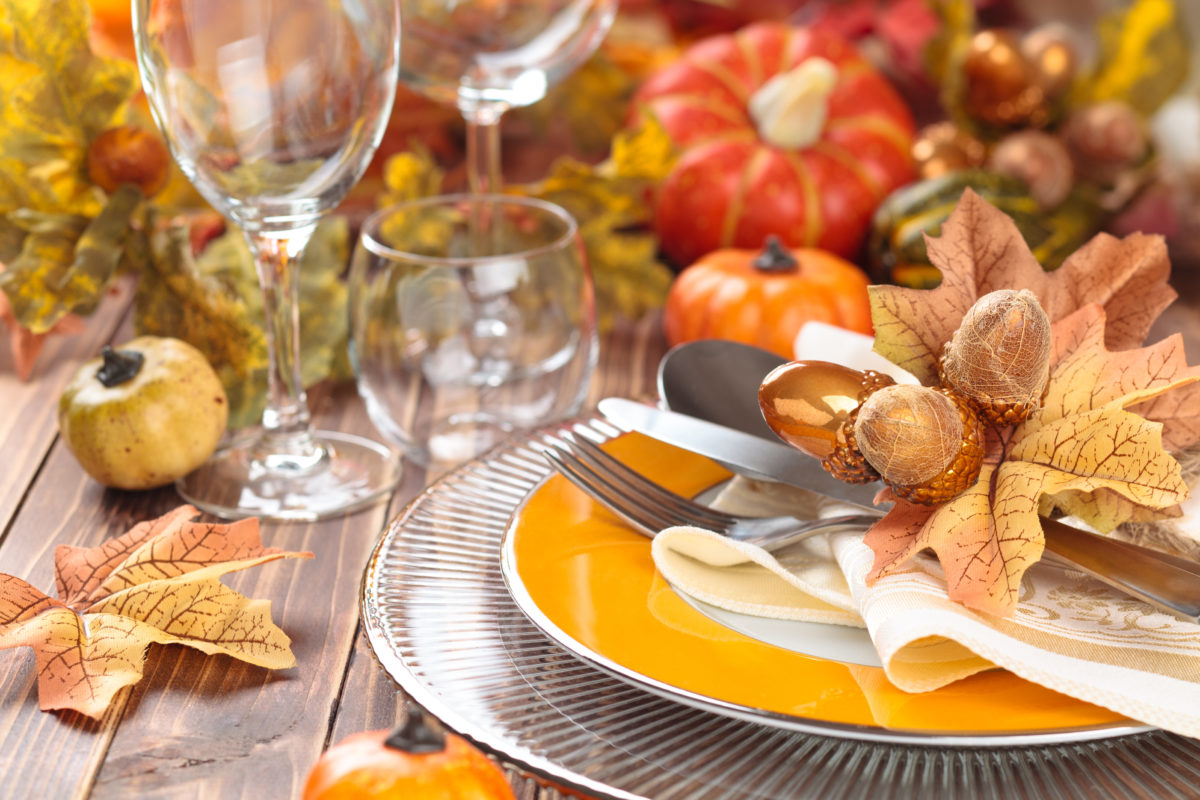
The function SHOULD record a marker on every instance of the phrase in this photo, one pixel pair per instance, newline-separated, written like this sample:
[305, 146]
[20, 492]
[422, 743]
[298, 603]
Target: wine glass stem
[287, 441]
[483, 147]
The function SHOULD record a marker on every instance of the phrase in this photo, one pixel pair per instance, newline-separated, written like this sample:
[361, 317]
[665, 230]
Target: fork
[1164, 580]
[650, 508]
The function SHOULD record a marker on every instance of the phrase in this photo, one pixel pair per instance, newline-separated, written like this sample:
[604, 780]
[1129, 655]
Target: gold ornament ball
[1040, 160]
[1001, 84]
[1052, 55]
[943, 147]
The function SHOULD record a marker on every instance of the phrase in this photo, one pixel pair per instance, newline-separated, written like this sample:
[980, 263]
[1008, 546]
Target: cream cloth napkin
[1069, 632]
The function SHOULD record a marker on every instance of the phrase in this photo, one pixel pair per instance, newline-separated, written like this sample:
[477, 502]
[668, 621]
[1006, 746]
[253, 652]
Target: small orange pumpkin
[763, 298]
[413, 762]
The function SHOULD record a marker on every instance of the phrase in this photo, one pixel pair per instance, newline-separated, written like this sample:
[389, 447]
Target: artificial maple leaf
[1082, 451]
[610, 202]
[56, 96]
[981, 250]
[24, 344]
[159, 582]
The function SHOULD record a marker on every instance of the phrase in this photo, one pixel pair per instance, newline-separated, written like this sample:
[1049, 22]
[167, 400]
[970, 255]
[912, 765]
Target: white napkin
[1069, 633]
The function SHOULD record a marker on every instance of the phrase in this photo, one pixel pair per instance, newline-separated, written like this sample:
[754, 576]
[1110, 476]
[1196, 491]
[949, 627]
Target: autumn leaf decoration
[1096, 448]
[157, 583]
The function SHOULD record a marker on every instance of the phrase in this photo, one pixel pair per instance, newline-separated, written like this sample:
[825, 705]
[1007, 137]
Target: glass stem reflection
[483, 145]
[286, 433]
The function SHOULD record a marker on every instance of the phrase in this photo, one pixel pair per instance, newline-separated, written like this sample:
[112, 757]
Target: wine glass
[273, 109]
[459, 340]
[488, 56]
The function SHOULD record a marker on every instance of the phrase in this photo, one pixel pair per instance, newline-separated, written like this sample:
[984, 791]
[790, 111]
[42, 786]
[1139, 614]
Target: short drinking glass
[459, 339]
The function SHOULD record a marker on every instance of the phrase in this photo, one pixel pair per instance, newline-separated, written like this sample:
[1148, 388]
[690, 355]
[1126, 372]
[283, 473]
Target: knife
[743, 453]
[1169, 582]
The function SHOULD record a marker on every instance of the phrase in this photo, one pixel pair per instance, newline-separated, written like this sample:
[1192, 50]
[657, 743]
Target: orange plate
[593, 579]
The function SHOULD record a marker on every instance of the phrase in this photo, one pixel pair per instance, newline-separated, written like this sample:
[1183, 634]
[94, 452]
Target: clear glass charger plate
[444, 625]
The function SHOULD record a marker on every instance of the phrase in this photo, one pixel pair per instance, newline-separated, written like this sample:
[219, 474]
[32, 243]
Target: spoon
[717, 380]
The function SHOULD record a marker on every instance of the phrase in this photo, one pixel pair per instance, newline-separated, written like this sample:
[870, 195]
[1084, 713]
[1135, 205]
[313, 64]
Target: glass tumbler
[472, 316]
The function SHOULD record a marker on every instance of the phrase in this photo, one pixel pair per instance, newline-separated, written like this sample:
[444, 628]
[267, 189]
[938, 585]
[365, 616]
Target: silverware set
[1164, 580]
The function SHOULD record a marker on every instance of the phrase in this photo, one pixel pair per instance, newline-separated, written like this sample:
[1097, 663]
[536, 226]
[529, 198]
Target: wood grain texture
[211, 726]
[29, 411]
[628, 365]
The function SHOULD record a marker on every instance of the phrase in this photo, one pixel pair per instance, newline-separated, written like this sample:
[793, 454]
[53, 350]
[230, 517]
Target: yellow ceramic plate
[589, 583]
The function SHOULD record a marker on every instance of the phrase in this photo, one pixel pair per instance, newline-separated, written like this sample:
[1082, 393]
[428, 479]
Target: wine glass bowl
[458, 340]
[273, 109]
[487, 56]
[507, 53]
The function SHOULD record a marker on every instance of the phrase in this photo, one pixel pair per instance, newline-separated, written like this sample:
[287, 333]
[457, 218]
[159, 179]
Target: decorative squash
[413, 762]
[896, 250]
[763, 298]
[782, 131]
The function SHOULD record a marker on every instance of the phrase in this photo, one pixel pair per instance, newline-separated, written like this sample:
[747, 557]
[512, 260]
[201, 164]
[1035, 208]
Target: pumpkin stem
[119, 366]
[789, 110]
[774, 257]
[416, 736]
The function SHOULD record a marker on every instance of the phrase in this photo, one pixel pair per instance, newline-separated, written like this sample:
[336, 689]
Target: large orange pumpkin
[783, 131]
[764, 298]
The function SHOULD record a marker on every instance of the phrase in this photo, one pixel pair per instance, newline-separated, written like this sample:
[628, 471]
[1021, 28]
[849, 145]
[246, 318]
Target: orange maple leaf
[159, 582]
[26, 345]
[981, 250]
[1082, 451]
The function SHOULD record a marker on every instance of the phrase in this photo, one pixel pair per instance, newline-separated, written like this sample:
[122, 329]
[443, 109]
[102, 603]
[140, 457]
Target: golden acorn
[999, 358]
[925, 443]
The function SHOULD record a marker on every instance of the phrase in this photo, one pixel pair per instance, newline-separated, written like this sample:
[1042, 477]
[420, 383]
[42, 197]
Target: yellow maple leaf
[56, 96]
[157, 583]
[1083, 450]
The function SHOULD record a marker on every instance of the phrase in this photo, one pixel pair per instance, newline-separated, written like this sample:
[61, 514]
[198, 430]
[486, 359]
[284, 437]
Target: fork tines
[643, 503]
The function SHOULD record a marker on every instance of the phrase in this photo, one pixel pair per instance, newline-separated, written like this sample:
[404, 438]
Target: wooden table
[213, 727]
[196, 725]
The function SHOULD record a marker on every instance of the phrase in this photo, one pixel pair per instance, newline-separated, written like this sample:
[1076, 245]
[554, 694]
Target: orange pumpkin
[414, 762]
[763, 298]
[782, 130]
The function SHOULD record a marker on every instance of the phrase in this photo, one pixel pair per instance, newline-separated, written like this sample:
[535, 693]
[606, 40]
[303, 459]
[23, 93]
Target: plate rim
[392, 557]
[878, 734]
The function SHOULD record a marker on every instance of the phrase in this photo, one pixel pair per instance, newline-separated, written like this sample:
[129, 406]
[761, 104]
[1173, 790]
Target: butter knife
[1166, 581]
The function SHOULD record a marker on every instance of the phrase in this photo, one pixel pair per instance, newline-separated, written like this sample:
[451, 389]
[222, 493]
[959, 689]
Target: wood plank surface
[29, 410]
[211, 726]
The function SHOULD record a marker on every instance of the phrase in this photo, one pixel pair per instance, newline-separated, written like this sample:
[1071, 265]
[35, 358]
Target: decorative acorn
[999, 358]
[809, 403]
[863, 427]
[925, 443]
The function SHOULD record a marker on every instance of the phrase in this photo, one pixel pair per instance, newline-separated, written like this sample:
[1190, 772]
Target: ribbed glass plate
[443, 625]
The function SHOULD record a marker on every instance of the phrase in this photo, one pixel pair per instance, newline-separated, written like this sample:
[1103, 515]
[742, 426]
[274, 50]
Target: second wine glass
[273, 108]
[488, 56]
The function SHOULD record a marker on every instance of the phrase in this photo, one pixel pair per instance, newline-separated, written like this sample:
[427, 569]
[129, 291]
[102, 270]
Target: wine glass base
[351, 473]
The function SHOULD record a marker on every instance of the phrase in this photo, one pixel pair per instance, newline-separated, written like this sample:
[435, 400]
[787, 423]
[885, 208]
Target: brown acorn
[999, 358]
[925, 443]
